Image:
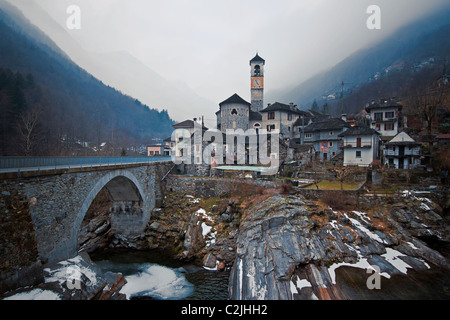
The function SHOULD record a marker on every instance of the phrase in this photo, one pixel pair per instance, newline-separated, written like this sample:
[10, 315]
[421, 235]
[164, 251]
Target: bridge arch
[124, 189]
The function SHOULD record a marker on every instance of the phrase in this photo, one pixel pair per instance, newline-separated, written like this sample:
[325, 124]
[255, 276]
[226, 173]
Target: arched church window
[234, 112]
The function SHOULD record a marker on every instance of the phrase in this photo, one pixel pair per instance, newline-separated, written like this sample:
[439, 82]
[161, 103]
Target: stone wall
[215, 187]
[18, 248]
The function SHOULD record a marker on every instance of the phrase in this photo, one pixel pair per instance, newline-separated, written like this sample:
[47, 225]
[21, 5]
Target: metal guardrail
[40, 163]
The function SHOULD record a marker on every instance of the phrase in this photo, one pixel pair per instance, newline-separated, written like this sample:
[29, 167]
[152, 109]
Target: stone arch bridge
[58, 198]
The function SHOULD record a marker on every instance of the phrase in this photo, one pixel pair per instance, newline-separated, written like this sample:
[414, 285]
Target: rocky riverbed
[290, 248]
[278, 247]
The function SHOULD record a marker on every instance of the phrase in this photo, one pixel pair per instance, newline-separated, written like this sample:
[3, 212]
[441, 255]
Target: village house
[189, 126]
[324, 135]
[279, 116]
[402, 152]
[304, 119]
[361, 146]
[385, 117]
[155, 150]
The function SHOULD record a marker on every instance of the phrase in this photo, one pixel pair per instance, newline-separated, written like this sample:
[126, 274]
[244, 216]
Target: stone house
[361, 146]
[324, 135]
[279, 116]
[402, 152]
[306, 118]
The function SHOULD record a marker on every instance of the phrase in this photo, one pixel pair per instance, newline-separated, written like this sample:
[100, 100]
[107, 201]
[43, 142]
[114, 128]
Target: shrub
[286, 188]
[339, 200]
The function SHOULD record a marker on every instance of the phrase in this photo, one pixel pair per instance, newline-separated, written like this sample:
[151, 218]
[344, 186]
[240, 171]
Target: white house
[385, 117]
[360, 145]
[402, 152]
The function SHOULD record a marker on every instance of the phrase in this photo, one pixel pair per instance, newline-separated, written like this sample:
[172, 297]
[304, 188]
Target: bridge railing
[40, 163]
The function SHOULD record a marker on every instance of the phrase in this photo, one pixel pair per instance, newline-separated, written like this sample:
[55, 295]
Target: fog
[206, 45]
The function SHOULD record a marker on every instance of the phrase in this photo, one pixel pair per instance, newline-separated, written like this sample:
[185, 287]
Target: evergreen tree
[315, 106]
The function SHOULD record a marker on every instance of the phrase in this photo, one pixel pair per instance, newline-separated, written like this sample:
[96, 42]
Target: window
[389, 115]
[379, 116]
[330, 143]
[289, 116]
[271, 116]
[234, 112]
[308, 135]
[389, 126]
[270, 128]
[358, 154]
[331, 133]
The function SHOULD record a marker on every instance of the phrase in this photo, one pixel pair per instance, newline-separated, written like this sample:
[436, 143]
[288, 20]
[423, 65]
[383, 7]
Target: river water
[152, 275]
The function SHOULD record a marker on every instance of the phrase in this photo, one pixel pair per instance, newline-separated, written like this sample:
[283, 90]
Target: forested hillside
[50, 106]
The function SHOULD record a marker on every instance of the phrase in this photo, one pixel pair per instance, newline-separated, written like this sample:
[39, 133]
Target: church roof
[235, 98]
[257, 58]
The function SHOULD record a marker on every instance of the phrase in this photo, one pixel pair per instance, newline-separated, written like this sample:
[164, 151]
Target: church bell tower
[257, 83]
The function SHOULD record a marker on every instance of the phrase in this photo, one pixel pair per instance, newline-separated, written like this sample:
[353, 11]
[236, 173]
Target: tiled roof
[255, 116]
[327, 124]
[309, 116]
[235, 98]
[384, 103]
[186, 124]
[359, 130]
[282, 107]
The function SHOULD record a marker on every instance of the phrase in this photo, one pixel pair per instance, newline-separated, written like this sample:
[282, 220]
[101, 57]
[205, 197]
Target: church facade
[236, 113]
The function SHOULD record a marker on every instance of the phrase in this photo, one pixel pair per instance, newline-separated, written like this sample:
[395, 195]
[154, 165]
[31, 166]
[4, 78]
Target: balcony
[357, 145]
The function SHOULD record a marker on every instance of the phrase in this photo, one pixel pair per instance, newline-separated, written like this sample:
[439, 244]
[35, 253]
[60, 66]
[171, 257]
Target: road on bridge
[21, 165]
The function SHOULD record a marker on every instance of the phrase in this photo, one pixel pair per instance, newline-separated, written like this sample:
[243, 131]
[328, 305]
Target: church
[236, 113]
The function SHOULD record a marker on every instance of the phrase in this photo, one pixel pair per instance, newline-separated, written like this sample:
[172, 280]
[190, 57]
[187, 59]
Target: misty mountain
[123, 71]
[407, 50]
[41, 85]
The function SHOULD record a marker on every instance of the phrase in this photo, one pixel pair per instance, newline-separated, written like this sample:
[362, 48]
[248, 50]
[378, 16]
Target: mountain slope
[405, 48]
[121, 70]
[72, 106]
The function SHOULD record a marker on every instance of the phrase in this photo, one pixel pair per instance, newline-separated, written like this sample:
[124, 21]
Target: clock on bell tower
[257, 83]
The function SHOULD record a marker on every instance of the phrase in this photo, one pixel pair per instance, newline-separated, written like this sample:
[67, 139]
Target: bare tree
[342, 173]
[425, 101]
[28, 129]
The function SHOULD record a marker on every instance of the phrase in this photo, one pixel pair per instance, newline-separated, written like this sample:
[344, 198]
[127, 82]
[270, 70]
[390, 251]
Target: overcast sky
[208, 43]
